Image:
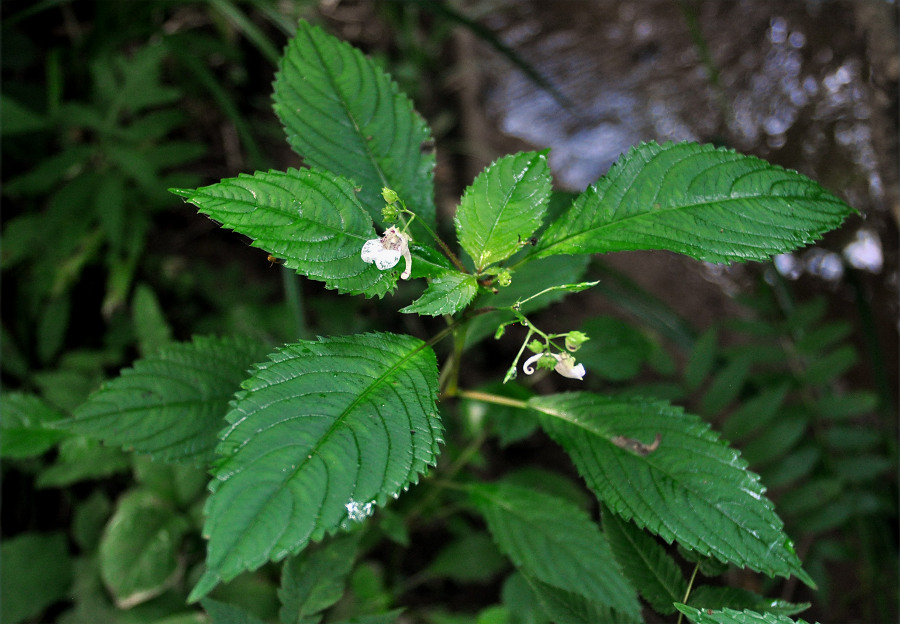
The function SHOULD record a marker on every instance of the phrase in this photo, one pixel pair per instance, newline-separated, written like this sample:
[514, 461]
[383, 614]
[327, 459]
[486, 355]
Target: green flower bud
[390, 214]
[574, 340]
[536, 346]
[390, 195]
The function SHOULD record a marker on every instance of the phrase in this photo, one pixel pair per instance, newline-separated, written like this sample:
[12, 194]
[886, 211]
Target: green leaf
[730, 616]
[139, 550]
[343, 114]
[18, 118]
[709, 203]
[755, 413]
[861, 467]
[555, 542]
[375, 618]
[310, 219]
[611, 440]
[447, 294]
[150, 326]
[776, 439]
[827, 367]
[843, 406]
[471, 558]
[565, 607]
[726, 385]
[315, 579]
[797, 464]
[224, 613]
[36, 572]
[82, 459]
[172, 404]
[709, 597]
[616, 350]
[701, 359]
[646, 564]
[320, 435]
[25, 430]
[503, 207]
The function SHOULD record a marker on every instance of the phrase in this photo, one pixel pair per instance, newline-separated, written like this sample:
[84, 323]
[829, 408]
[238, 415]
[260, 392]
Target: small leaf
[342, 113]
[322, 434]
[708, 597]
[315, 579]
[709, 203]
[825, 368]
[673, 498]
[26, 426]
[447, 294]
[150, 326]
[503, 207]
[796, 465]
[565, 607]
[139, 550]
[555, 542]
[842, 406]
[471, 558]
[646, 564]
[701, 359]
[776, 440]
[224, 613]
[730, 616]
[310, 219]
[755, 413]
[375, 618]
[726, 385]
[172, 404]
[37, 571]
[82, 459]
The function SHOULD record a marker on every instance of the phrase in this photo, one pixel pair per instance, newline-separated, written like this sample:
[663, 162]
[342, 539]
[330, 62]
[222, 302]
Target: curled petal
[565, 365]
[528, 365]
[406, 272]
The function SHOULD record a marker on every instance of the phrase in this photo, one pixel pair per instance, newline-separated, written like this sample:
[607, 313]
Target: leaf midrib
[326, 436]
[562, 416]
[343, 102]
[665, 211]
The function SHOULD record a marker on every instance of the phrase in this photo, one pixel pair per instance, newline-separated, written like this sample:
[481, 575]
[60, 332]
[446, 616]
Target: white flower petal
[528, 365]
[567, 367]
[370, 248]
[387, 259]
[374, 251]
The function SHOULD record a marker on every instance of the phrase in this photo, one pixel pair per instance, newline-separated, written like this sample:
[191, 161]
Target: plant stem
[476, 395]
[690, 586]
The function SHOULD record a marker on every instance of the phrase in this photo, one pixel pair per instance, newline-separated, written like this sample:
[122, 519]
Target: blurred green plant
[140, 545]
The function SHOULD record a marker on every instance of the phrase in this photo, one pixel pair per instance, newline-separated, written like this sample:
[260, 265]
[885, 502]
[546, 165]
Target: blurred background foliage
[106, 104]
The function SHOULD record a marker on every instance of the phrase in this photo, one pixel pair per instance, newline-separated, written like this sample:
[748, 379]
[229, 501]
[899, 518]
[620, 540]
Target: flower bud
[574, 340]
[390, 195]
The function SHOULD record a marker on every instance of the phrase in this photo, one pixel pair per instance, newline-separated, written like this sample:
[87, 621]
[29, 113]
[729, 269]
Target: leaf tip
[206, 584]
[185, 193]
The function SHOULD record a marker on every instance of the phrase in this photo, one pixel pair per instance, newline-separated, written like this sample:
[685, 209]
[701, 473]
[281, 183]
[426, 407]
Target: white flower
[386, 251]
[565, 365]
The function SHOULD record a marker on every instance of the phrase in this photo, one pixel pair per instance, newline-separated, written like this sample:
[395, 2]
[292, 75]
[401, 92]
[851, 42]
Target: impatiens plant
[315, 442]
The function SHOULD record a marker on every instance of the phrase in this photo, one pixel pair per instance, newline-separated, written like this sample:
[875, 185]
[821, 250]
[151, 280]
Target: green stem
[687, 592]
[447, 251]
[449, 382]
[294, 298]
[476, 395]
